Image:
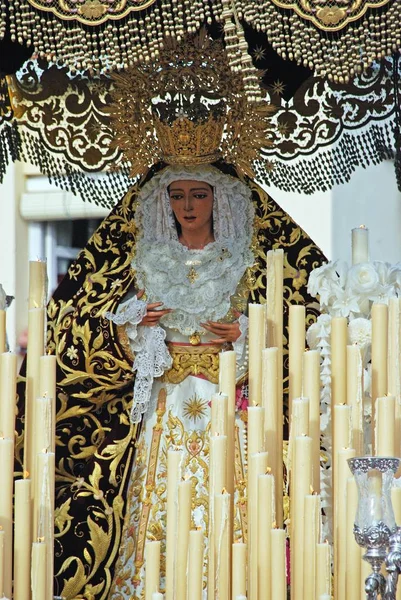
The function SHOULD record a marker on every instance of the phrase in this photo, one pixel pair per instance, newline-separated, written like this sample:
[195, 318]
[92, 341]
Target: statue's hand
[226, 332]
[153, 313]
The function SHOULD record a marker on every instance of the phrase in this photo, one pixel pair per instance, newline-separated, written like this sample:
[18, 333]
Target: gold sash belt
[202, 360]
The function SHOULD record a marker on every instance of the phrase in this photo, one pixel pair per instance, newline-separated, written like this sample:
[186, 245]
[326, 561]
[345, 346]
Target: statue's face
[192, 205]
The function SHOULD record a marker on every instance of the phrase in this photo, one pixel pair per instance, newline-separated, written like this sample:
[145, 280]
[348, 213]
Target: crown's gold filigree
[187, 108]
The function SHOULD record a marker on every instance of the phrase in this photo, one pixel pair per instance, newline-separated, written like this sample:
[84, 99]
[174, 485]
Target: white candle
[184, 525]
[379, 354]
[296, 349]
[323, 569]
[2, 562]
[353, 553]
[272, 402]
[227, 377]
[8, 393]
[266, 517]
[152, 568]
[217, 482]
[222, 546]
[311, 390]
[394, 362]
[38, 572]
[3, 335]
[385, 427]
[44, 511]
[22, 540]
[300, 484]
[37, 284]
[256, 429]
[340, 522]
[256, 345]
[219, 414]
[355, 397]
[195, 564]
[360, 245]
[239, 554]
[311, 539]
[6, 507]
[47, 388]
[339, 334]
[278, 575]
[257, 465]
[36, 323]
[174, 459]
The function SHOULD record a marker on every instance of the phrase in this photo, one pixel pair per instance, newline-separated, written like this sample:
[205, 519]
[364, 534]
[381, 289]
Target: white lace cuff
[147, 344]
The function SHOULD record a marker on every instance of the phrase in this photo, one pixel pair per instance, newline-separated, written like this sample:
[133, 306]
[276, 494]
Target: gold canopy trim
[91, 12]
[330, 15]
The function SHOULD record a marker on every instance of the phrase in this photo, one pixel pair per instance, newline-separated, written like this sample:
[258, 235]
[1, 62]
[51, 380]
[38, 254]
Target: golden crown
[187, 108]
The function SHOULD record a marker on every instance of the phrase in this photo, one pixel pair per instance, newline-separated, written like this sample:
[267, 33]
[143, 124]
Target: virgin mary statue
[138, 325]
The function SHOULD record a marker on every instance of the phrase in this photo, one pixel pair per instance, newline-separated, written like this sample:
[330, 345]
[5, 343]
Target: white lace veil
[232, 210]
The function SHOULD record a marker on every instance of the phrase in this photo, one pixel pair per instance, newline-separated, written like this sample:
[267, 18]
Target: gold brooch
[192, 275]
[195, 339]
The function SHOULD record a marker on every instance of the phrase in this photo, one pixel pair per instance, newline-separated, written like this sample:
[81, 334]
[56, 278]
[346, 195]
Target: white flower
[394, 275]
[72, 353]
[360, 332]
[345, 305]
[363, 280]
[3, 301]
[312, 335]
[327, 281]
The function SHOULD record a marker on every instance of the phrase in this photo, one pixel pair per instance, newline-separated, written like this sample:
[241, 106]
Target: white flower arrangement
[348, 292]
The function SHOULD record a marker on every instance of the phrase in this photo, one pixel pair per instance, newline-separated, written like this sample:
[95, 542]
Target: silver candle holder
[375, 525]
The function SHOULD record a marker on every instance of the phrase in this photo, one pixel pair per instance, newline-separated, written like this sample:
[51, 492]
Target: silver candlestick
[374, 522]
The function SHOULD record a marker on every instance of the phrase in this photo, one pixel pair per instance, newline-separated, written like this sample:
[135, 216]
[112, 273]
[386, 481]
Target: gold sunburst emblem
[195, 408]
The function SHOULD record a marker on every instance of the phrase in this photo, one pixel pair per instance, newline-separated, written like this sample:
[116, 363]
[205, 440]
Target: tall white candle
[36, 321]
[174, 459]
[152, 568]
[39, 570]
[266, 518]
[184, 525]
[296, 348]
[355, 396]
[274, 339]
[257, 465]
[300, 487]
[47, 388]
[227, 378]
[256, 345]
[353, 553]
[239, 554]
[311, 390]
[2, 562]
[3, 336]
[195, 564]
[379, 354]
[219, 414]
[44, 511]
[360, 245]
[222, 546]
[394, 364]
[273, 405]
[8, 393]
[278, 576]
[256, 429]
[6, 508]
[22, 540]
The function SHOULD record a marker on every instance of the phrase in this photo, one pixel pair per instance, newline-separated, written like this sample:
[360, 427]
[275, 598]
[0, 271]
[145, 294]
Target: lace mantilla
[151, 354]
[196, 284]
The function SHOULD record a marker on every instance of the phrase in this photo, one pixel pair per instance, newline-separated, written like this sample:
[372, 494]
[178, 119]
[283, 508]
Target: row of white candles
[29, 544]
[238, 564]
